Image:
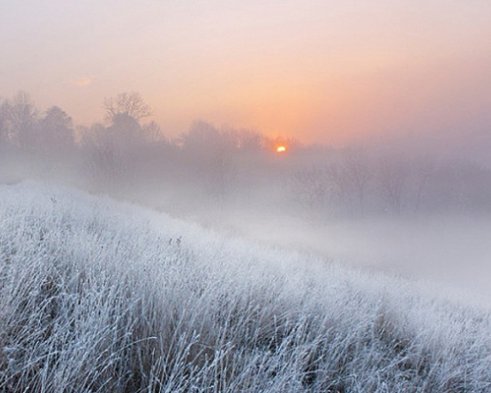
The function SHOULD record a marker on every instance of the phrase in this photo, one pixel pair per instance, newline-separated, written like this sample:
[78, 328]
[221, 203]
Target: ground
[97, 295]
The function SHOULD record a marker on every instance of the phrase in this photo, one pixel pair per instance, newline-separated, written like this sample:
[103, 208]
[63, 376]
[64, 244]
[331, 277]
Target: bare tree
[210, 152]
[357, 173]
[249, 141]
[394, 173]
[310, 188]
[130, 104]
[153, 133]
[339, 185]
[424, 170]
[20, 116]
[103, 158]
[55, 131]
[3, 124]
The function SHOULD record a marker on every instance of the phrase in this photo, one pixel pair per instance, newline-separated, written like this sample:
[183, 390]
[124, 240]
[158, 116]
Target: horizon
[317, 72]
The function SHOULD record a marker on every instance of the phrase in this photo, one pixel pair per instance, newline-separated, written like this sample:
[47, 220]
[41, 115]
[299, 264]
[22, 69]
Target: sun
[280, 149]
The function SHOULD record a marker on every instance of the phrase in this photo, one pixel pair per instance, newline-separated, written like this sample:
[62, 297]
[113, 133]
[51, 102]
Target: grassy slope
[100, 296]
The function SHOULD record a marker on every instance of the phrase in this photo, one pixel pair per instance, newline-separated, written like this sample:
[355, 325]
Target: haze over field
[101, 296]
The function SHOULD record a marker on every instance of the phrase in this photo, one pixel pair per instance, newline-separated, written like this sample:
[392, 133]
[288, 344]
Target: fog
[417, 205]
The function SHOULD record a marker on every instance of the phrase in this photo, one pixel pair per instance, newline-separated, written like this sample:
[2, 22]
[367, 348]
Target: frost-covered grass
[97, 296]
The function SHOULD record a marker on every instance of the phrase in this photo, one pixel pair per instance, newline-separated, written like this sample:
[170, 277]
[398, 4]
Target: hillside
[99, 296]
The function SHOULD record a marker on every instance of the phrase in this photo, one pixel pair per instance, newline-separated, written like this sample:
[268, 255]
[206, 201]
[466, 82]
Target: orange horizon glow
[327, 72]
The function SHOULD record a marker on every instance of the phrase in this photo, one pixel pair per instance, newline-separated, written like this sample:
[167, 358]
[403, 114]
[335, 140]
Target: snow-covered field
[99, 296]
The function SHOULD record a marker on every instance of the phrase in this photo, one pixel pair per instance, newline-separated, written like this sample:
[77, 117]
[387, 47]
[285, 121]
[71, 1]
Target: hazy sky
[316, 70]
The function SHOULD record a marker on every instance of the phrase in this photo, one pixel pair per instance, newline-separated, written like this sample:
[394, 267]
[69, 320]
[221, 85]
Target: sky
[319, 71]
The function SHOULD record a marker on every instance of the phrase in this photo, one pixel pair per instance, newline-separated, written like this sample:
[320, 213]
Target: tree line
[218, 166]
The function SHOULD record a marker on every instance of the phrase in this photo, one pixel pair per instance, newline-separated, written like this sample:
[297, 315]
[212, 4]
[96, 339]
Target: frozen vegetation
[99, 296]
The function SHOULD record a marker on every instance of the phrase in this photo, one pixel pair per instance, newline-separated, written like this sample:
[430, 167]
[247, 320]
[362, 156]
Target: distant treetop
[130, 104]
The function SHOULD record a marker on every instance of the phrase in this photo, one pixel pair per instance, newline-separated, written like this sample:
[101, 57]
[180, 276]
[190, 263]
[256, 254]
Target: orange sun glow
[280, 149]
